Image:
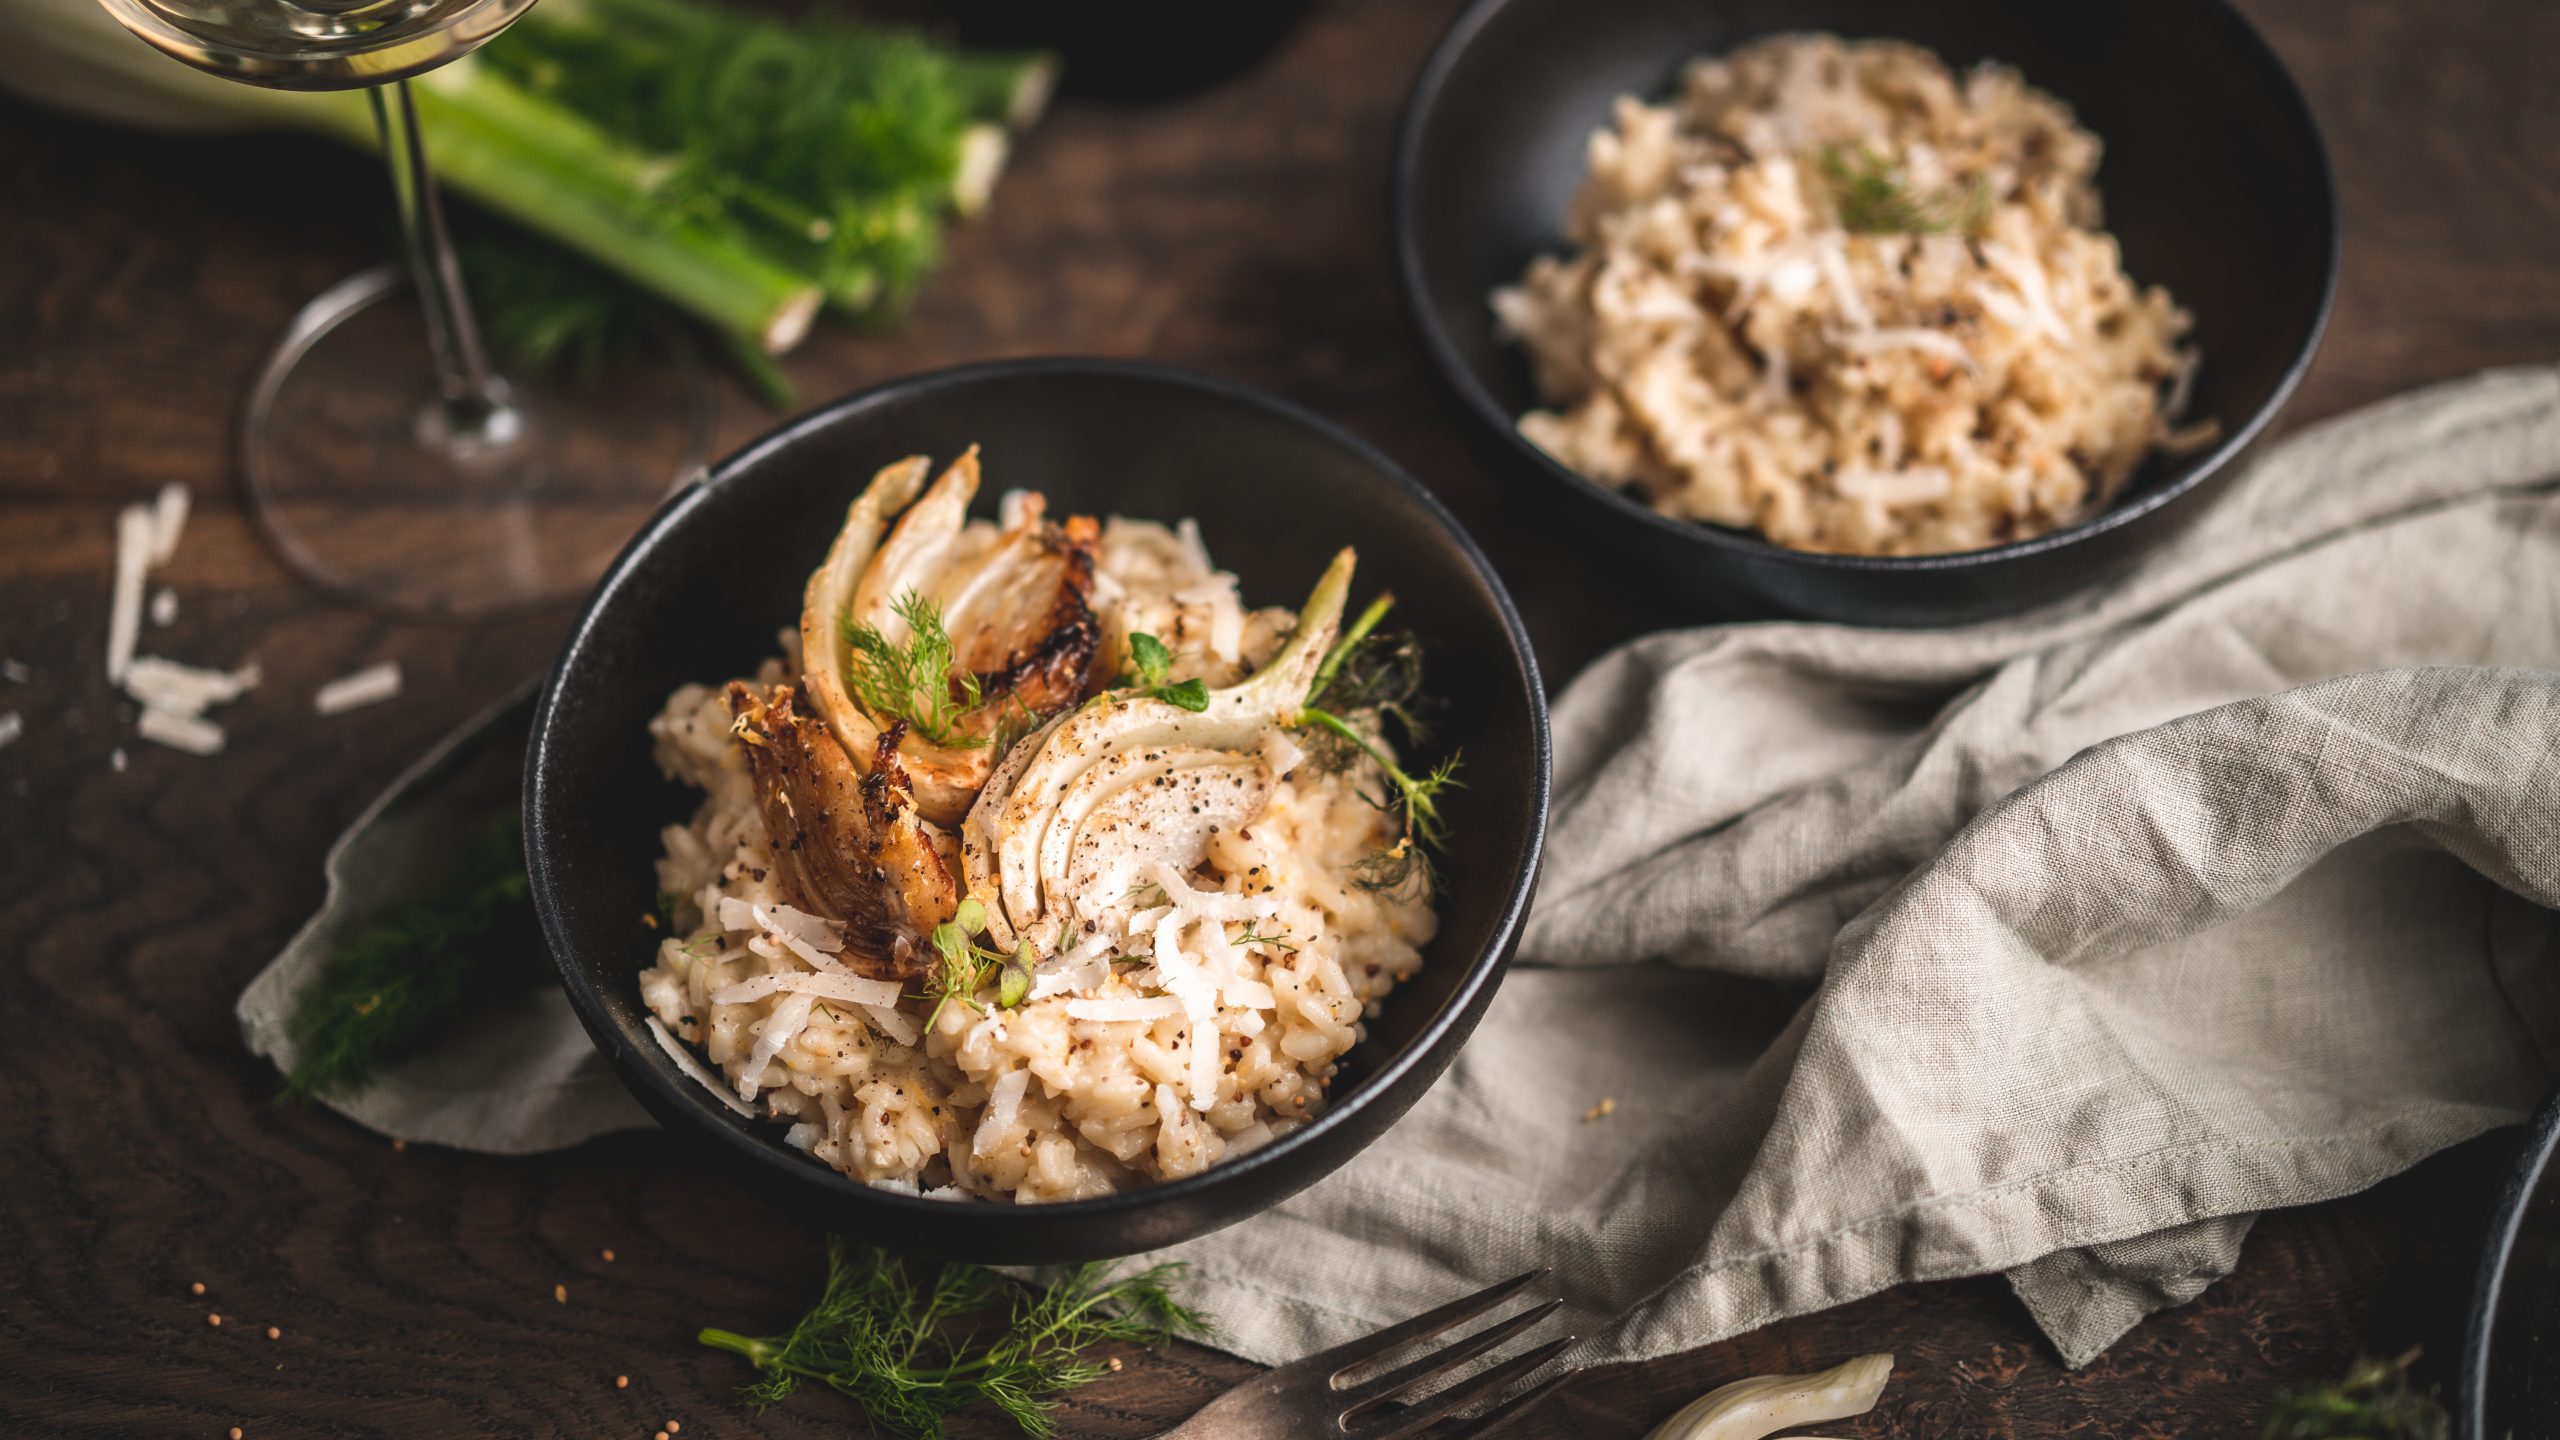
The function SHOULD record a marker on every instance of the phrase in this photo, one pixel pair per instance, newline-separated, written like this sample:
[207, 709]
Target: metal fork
[1312, 1398]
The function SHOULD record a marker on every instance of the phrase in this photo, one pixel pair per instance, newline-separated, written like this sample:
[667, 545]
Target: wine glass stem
[469, 395]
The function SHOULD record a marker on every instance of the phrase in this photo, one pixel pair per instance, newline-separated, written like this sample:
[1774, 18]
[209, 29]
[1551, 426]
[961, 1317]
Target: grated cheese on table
[124, 609]
[191, 733]
[185, 689]
[168, 521]
[369, 686]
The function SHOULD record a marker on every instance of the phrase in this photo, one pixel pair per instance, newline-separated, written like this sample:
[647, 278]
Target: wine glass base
[369, 485]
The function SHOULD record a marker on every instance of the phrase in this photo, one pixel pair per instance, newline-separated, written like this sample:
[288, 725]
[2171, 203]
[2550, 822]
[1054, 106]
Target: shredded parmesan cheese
[701, 1073]
[816, 932]
[168, 521]
[185, 689]
[368, 686]
[1917, 485]
[893, 1024]
[851, 989]
[124, 610]
[1004, 1098]
[780, 1026]
[191, 733]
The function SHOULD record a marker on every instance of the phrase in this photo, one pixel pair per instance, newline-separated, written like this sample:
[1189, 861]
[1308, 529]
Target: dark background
[1239, 232]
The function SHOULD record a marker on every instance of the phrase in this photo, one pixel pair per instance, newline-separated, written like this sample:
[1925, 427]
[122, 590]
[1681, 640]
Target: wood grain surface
[1241, 232]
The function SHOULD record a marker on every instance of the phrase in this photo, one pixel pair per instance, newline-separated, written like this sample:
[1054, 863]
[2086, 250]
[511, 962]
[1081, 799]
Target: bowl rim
[748, 1138]
[1481, 409]
[2504, 1263]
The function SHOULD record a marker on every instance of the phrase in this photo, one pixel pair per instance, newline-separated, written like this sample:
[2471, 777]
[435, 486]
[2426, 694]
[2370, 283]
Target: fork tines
[1364, 1411]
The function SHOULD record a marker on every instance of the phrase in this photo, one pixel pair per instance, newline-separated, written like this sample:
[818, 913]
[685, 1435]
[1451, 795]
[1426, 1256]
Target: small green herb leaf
[1149, 660]
[914, 682]
[1149, 663]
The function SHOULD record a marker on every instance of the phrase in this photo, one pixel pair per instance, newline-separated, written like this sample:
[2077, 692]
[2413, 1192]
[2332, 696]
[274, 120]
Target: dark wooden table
[1240, 232]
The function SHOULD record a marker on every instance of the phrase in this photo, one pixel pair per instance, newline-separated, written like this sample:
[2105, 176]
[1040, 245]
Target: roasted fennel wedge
[965, 637]
[1130, 781]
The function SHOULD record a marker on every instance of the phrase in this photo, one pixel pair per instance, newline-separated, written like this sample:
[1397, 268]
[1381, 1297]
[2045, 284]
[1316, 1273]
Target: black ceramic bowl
[2214, 180]
[2510, 1379]
[700, 592]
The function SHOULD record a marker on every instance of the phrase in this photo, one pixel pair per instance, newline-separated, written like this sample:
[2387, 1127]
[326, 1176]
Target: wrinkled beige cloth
[2264, 955]
[2058, 946]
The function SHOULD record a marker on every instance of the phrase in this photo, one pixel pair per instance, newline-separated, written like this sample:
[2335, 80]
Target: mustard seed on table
[608, 1257]
[274, 1334]
[196, 1289]
[213, 1320]
[560, 1293]
[621, 1382]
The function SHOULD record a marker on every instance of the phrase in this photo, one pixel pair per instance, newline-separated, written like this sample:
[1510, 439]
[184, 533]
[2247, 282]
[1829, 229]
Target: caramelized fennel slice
[916, 548]
[829, 595]
[1017, 606]
[1022, 835]
[850, 845]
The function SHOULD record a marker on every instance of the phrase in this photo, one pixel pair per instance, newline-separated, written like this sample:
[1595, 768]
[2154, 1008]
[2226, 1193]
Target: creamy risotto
[1836, 293]
[1084, 905]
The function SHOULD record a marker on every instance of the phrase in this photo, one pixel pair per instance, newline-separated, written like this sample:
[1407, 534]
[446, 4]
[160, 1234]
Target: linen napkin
[2057, 946]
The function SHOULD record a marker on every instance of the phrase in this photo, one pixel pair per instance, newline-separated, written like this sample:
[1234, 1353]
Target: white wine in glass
[384, 455]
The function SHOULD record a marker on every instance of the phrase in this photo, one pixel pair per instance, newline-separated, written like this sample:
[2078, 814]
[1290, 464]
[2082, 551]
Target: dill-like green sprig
[392, 986]
[1875, 198]
[2374, 1401]
[914, 682]
[909, 1355]
[1368, 678]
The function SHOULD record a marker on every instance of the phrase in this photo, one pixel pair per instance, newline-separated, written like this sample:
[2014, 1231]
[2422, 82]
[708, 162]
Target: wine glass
[384, 456]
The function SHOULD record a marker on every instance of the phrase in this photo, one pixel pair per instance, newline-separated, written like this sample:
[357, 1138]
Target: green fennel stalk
[742, 169]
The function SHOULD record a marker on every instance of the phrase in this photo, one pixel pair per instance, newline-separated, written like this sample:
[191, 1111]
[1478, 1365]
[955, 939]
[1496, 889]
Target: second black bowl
[700, 592]
[2215, 183]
